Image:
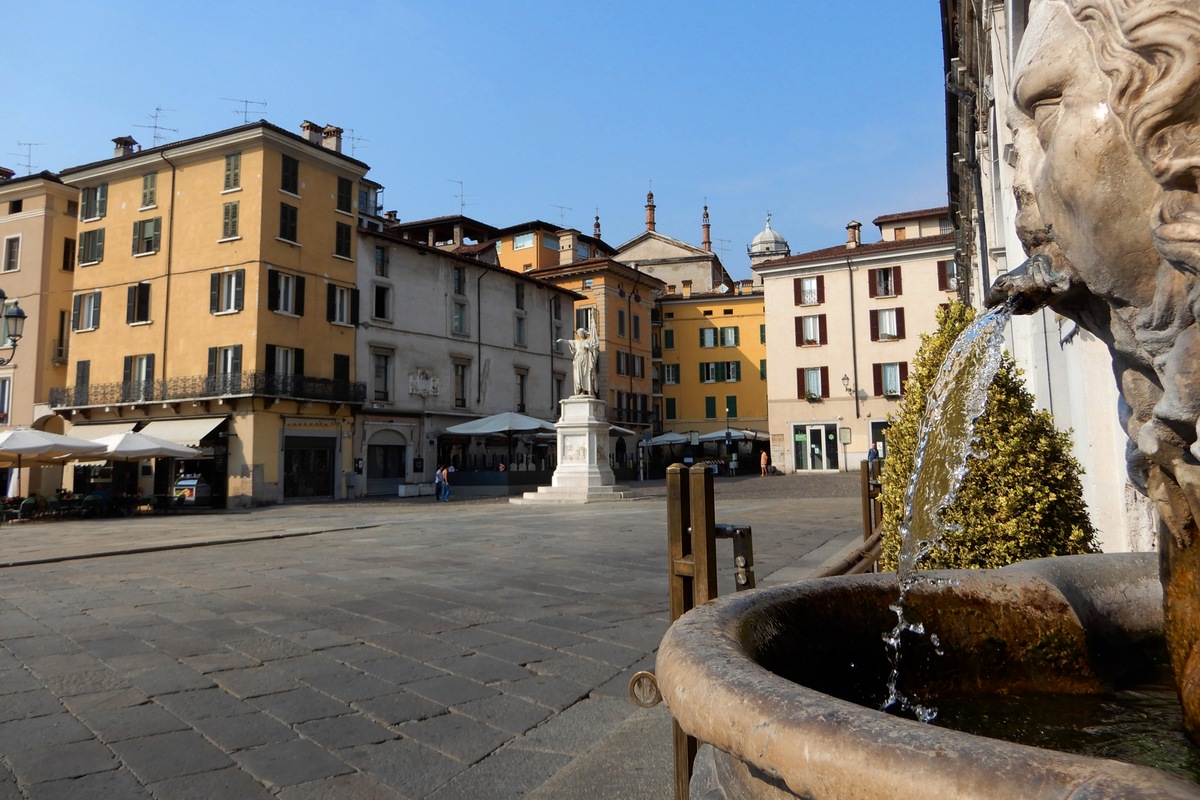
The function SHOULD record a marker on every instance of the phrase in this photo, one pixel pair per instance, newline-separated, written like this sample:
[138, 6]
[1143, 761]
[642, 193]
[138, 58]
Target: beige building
[673, 261]
[216, 305]
[37, 233]
[842, 326]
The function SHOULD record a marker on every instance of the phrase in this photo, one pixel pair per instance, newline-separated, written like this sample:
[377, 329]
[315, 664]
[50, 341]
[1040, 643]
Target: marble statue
[585, 360]
[1107, 134]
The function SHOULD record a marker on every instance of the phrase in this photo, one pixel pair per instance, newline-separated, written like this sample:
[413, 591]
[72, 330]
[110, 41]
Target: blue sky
[818, 112]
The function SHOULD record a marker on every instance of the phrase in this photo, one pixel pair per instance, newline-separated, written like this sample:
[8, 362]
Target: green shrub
[1023, 501]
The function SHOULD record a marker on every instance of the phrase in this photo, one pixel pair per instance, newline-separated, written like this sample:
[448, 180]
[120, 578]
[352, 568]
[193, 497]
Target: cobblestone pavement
[367, 649]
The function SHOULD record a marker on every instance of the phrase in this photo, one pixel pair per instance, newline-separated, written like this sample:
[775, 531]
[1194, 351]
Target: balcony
[631, 416]
[59, 352]
[210, 387]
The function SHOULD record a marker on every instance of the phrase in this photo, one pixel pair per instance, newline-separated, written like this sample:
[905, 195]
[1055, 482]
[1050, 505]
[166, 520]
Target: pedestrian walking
[437, 484]
[445, 498]
[764, 460]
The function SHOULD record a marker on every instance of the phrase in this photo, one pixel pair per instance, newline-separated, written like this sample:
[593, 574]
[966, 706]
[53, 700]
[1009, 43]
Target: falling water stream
[945, 441]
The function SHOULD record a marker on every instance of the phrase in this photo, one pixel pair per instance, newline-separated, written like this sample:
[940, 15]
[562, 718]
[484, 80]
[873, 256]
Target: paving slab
[365, 649]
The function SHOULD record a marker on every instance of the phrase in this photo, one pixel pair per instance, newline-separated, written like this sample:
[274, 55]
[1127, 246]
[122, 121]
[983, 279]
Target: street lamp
[846, 384]
[14, 324]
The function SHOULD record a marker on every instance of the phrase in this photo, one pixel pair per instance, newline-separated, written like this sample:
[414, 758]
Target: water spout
[1028, 287]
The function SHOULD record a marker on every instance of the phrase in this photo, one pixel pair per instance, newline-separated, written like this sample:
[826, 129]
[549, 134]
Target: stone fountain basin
[761, 677]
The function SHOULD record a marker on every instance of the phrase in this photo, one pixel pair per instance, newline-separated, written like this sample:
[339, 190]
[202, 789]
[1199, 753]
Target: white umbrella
[617, 430]
[27, 444]
[734, 435]
[135, 446]
[506, 422]
[668, 438]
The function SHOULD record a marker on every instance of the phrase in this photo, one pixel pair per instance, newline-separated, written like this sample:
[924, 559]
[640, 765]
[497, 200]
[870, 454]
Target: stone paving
[382, 649]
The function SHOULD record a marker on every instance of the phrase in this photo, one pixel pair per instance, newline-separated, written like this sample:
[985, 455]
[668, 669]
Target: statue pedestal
[583, 474]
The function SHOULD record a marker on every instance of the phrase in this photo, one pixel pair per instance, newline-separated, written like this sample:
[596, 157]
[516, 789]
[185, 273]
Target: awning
[186, 431]
[100, 430]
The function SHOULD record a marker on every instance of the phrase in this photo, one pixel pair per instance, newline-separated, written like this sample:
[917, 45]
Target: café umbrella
[130, 446]
[30, 445]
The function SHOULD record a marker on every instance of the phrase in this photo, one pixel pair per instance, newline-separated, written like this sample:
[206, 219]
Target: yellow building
[714, 360]
[215, 306]
[37, 237]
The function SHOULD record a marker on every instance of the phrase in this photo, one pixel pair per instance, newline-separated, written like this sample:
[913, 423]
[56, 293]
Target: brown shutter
[903, 375]
[871, 282]
[899, 323]
[874, 317]
[800, 382]
[824, 335]
[820, 288]
[877, 377]
[943, 280]
[896, 289]
[799, 294]
[799, 331]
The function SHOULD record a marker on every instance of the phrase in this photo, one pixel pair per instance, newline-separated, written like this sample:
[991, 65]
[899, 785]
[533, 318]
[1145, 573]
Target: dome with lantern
[768, 244]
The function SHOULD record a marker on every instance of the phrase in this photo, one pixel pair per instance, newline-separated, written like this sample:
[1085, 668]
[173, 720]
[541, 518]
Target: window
[637, 327]
[708, 337]
[583, 318]
[762, 369]
[947, 276]
[137, 303]
[668, 339]
[710, 408]
[550, 242]
[670, 408]
[889, 378]
[733, 371]
[95, 202]
[16, 206]
[522, 380]
[381, 362]
[560, 383]
[809, 291]
[901, 234]
[620, 322]
[341, 369]
[523, 241]
[730, 337]
[520, 299]
[149, 189]
[137, 381]
[289, 217]
[146, 235]
[813, 382]
[345, 194]
[762, 334]
[72, 208]
[887, 324]
[460, 280]
[581, 251]
[5, 401]
[12, 254]
[883, 282]
[944, 226]
[85, 312]
[670, 373]
[639, 366]
[91, 247]
[233, 171]
[225, 291]
[290, 181]
[708, 371]
[381, 261]
[622, 362]
[68, 262]
[382, 307]
[460, 385]
[811, 330]
[285, 293]
[341, 305]
[519, 329]
[225, 369]
[458, 321]
[342, 236]
[229, 221]
[731, 406]
[558, 335]
[556, 307]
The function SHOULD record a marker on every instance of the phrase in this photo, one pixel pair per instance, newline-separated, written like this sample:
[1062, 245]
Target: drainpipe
[479, 338]
[853, 338]
[170, 247]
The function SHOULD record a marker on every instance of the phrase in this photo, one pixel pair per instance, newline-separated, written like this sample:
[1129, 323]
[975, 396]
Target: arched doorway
[386, 462]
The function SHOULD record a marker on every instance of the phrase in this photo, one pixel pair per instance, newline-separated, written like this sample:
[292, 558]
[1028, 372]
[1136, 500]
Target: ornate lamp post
[14, 324]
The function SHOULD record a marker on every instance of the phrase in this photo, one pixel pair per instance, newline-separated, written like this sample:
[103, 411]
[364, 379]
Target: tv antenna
[354, 140]
[562, 213]
[28, 163]
[462, 198]
[158, 137]
[724, 246]
[245, 112]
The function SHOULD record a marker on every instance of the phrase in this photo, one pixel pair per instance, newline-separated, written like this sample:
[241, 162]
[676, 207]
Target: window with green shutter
[710, 408]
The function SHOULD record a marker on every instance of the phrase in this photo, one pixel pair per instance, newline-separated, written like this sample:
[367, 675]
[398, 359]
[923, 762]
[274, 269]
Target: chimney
[596, 227]
[331, 138]
[748, 286]
[704, 226]
[567, 240]
[390, 216]
[687, 288]
[311, 132]
[670, 288]
[6, 173]
[649, 211]
[124, 146]
[853, 234]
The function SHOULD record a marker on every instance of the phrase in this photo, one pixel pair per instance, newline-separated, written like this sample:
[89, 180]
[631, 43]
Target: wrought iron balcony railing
[199, 387]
